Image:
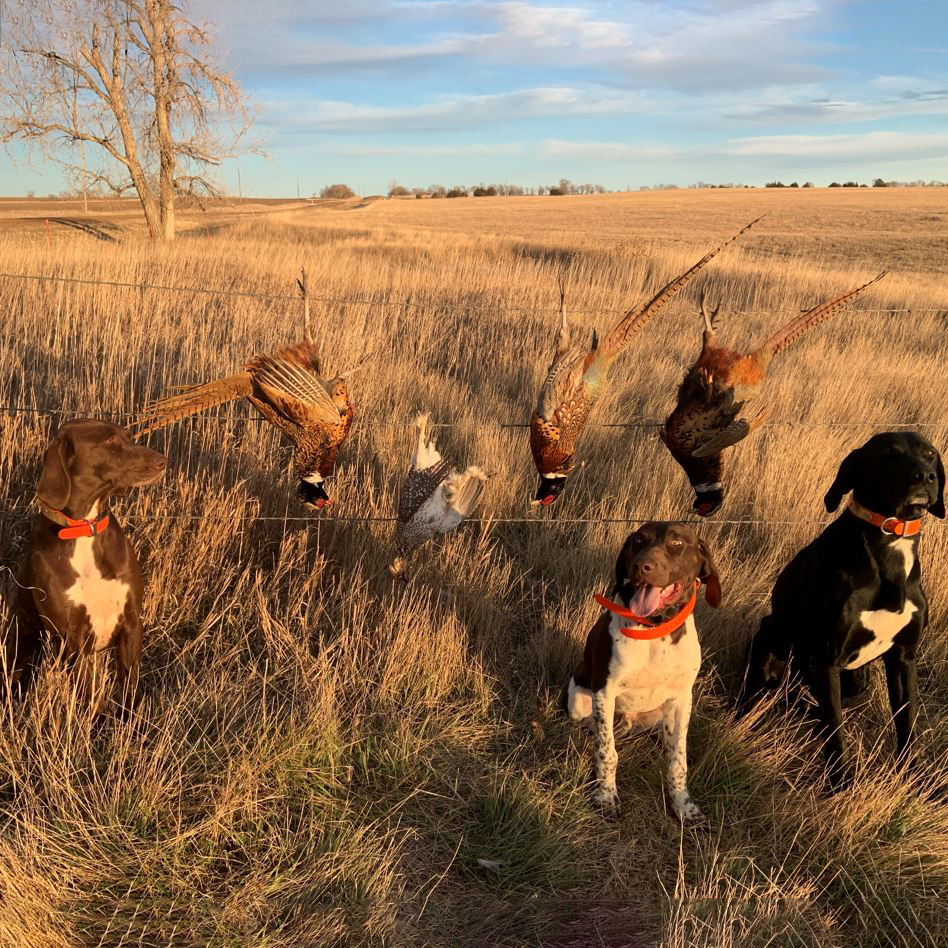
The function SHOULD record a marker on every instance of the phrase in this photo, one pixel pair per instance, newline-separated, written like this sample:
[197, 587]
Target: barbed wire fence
[397, 304]
[548, 520]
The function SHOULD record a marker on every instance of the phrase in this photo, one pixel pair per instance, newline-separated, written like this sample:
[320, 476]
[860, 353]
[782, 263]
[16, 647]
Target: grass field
[324, 754]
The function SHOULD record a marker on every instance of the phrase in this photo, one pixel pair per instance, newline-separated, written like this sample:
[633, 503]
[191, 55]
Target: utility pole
[85, 193]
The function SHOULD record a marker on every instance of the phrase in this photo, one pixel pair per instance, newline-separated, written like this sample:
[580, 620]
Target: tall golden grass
[323, 755]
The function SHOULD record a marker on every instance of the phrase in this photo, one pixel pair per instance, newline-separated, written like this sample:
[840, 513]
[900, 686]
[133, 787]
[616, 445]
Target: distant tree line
[564, 186]
[877, 183]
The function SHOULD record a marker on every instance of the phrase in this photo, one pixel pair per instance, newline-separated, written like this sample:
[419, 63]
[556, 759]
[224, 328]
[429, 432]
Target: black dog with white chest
[855, 593]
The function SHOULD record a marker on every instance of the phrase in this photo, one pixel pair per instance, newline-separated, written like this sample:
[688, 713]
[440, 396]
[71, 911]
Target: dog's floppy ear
[709, 576]
[55, 485]
[622, 562]
[938, 508]
[845, 480]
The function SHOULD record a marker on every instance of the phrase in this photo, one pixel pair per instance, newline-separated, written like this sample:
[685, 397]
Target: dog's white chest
[884, 626]
[906, 547]
[645, 674]
[103, 599]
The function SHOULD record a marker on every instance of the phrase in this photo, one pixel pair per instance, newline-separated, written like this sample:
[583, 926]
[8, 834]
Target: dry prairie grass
[323, 756]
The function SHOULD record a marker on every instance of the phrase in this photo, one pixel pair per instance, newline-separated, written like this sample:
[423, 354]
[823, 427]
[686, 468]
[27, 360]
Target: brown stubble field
[322, 754]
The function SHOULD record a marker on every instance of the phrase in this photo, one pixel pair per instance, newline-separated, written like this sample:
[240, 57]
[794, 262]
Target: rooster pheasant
[576, 380]
[434, 498]
[288, 389]
[715, 409]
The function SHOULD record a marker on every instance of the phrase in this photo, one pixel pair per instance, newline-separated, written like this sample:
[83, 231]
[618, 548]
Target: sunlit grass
[324, 755]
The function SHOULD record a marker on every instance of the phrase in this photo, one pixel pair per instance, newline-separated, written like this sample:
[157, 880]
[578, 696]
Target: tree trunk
[162, 54]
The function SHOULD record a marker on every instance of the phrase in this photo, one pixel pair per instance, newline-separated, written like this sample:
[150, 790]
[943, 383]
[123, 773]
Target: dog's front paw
[690, 815]
[607, 798]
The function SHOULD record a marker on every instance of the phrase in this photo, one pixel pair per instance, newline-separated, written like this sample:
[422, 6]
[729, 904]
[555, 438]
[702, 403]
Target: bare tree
[135, 79]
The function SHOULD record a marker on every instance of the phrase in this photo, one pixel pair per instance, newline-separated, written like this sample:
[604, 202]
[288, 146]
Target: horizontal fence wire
[400, 304]
[369, 423]
[20, 512]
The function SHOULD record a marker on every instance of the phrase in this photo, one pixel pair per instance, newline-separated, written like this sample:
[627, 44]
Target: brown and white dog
[81, 586]
[642, 656]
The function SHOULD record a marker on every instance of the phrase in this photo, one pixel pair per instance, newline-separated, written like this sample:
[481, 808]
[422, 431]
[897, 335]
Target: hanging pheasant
[715, 400]
[434, 498]
[289, 390]
[576, 380]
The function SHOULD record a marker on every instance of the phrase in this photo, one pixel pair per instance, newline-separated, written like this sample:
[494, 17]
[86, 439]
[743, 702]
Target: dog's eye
[675, 543]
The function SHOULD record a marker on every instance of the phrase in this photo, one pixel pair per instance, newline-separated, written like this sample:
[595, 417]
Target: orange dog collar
[74, 528]
[651, 631]
[888, 525]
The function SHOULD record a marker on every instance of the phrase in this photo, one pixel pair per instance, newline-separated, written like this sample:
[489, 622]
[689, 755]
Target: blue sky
[620, 93]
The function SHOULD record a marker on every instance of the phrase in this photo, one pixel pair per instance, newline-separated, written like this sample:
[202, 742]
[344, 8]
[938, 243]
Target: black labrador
[855, 593]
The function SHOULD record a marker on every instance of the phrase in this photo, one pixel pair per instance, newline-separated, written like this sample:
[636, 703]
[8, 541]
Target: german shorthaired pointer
[855, 593]
[81, 586]
[642, 655]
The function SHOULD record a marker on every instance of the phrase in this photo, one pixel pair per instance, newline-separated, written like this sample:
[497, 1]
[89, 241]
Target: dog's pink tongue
[646, 600]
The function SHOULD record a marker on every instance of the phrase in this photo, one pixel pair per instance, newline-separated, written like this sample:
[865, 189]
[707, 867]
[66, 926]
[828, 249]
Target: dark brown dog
[81, 586]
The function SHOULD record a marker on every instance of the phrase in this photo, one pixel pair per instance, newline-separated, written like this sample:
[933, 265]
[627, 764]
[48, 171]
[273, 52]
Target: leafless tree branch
[138, 80]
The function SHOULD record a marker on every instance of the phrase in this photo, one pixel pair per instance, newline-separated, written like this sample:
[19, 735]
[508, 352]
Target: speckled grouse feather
[576, 378]
[434, 497]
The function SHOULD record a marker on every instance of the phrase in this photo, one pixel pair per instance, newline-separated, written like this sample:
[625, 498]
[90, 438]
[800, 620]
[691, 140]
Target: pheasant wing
[563, 385]
[736, 431]
[289, 380]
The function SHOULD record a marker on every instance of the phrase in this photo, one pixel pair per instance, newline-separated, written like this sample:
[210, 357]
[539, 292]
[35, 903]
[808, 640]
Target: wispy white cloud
[433, 151]
[879, 146]
[449, 112]
[697, 46]
[609, 151]
[883, 97]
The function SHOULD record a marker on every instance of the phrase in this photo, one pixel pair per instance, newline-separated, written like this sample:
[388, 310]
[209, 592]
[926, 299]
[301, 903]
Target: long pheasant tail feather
[635, 319]
[303, 285]
[363, 363]
[198, 398]
[792, 331]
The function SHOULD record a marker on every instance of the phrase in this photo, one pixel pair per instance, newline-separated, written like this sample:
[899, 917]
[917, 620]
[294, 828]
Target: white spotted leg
[677, 714]
[603, 716]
